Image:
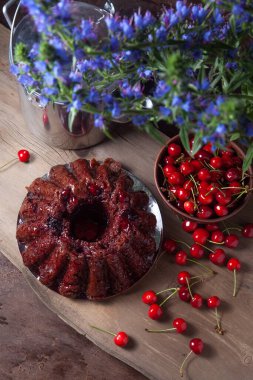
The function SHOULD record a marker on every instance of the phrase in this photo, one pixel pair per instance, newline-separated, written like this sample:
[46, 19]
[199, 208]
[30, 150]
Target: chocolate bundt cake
[84, 232]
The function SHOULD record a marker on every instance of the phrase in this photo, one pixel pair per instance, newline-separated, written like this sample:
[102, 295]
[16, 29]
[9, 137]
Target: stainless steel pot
[50, 124]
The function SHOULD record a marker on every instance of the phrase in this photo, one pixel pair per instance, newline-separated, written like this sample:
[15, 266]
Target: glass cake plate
[152, 207]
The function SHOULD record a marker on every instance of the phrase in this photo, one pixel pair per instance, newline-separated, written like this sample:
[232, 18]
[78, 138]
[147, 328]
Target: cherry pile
[202, 236]
[209, 185]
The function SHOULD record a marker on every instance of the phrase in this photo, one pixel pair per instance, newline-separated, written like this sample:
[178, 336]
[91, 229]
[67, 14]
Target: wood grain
[155, 355]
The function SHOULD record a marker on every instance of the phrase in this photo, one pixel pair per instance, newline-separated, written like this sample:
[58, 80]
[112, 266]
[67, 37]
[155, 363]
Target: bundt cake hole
[89, 222]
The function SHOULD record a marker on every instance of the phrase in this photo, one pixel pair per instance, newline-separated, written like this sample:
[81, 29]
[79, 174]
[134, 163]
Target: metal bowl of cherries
[209, 187]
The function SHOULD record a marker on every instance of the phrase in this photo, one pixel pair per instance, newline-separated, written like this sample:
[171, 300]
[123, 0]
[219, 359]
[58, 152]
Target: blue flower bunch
[191, 66]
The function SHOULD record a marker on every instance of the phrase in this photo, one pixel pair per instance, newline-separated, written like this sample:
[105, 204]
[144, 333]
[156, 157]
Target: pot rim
[184, 215]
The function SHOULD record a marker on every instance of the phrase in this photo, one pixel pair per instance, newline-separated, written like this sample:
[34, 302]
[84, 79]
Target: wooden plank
[155, 355]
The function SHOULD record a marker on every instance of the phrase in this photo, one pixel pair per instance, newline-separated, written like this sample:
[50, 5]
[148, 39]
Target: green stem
[189, 288]
[209, 249]
[232, 228]
[214, 242]
[166, 299]
[182, 242]
[160, 331]
[102, 330]
[235, 283]
[202, 265]
[182, 365]
[166, 290]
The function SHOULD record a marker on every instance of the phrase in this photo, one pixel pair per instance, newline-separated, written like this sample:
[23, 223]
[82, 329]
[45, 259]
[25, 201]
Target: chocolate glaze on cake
[85, 232]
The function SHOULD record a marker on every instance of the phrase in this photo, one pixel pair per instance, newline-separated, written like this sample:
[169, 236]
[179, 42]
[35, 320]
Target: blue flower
[99, 121]
[208, 36]
[14, 69]
[161, 34]
[77, 104]
[93, 96]
[41, 66]
[126, 29]
[112, 24]
[139, 120]
[165, 111]
[48, 91]
[75, 77]
[116, 111]
[43, 101]
[217, 17]
[34, 51]
[203, 85]
[114, 44]
[49, 79]
[221, 129]
[62, 9]
[162, 89]
[26, 80]
[176, 101]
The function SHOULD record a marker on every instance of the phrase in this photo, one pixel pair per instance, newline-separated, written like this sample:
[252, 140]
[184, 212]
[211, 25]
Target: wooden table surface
[35, 344]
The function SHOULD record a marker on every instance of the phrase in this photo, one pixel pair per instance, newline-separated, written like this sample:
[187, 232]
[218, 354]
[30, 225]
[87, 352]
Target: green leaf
[152, 131]
[235, 136]
[107, 133]
[197, 142]
[184, 137]
[71, 117]
[248, 158]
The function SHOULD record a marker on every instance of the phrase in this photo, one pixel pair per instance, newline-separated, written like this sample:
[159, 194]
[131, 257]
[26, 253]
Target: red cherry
[196, 345]
[221, 210]
[204, 175]
[247, 230]
[218, 257]
[204, 187]
[176, 178]
[223, 197]
[186, 168]
[169, 169]
[237, 161]
[236, 187]
[188, 185]
[189, 207]
[228, 162]
[149, 297]
[184, 294]
[216, 162]
[181, 257]
[189, 226]
[213, 302]
[173, 189]
[23, 155]
[231, 241]
[227, 153]
[213, 188]
[205, 199]
[170, 245]
[183, 194]
[200, 235]
[197, 251]
[180, 205]
[180, 324]
[121, 339]
[233, 174]
[208, 147]
[212, 227]
[155, 311]
[217, 236]
[233, 264]
[216, 175]
[168, 160]
[197, 301]
[174, 150]
[197, 165]
[183, 277]
[204, 212]
[203, 155]
[45, 118]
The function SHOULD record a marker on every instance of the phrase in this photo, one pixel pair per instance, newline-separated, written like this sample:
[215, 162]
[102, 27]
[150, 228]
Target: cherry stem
[161, 331]
[105, 331]
[232, 228]
[182, 366]
[8, 163]
[166, 290]
[218, 320]
[195, 183]
[202, 265]
[167, 298]
[189, 288]
[209, 249]
[214, 242]
[235, 283]
[183, 242]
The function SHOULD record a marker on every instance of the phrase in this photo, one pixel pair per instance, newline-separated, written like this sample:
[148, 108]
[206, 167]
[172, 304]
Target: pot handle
[5, 11]
[109, 7]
